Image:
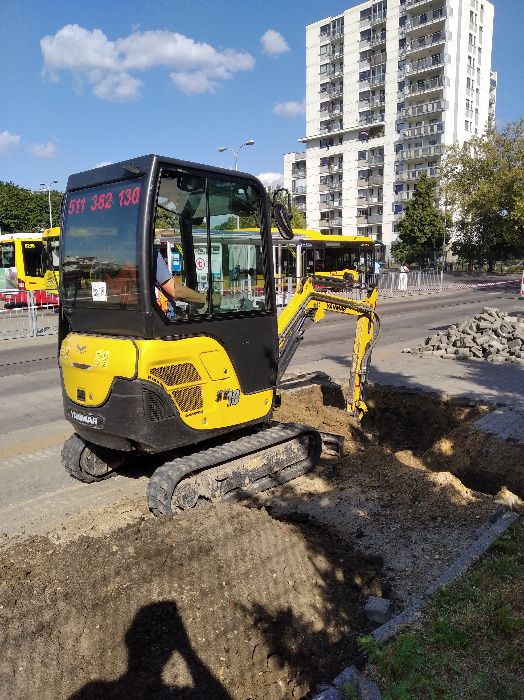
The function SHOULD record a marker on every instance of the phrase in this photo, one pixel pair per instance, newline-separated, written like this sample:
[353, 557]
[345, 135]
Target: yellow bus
[21, 262]
[51, 242]
[310, 252]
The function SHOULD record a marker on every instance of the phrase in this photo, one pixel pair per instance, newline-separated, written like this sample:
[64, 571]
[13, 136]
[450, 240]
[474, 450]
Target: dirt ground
[263, 601]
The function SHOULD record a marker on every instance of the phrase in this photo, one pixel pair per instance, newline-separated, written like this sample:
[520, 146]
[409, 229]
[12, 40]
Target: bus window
[33, 258]
[8, 274]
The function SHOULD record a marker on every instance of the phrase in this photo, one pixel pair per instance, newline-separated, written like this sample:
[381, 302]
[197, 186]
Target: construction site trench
[264, 599]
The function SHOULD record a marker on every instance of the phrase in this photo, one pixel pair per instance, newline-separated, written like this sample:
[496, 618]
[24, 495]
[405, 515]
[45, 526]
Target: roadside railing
[28, 319]
[400, 281]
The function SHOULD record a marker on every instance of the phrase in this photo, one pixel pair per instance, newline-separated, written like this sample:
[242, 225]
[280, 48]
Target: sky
[86, 83]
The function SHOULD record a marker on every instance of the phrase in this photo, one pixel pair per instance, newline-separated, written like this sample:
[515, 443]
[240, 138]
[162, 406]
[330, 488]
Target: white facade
[388, 84]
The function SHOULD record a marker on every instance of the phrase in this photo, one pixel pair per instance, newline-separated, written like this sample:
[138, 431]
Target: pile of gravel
[492, 335]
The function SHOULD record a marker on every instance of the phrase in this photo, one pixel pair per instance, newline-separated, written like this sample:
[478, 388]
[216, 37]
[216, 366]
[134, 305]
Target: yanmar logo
[87, 418]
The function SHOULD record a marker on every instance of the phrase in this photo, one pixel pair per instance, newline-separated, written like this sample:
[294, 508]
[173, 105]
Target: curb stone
[367, 690]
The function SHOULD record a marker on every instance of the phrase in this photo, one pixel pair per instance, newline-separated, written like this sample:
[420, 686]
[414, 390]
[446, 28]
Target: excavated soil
[254, 602]
[222, 602]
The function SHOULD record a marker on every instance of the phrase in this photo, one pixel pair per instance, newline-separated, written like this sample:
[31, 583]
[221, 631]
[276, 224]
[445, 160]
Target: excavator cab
[140, 376]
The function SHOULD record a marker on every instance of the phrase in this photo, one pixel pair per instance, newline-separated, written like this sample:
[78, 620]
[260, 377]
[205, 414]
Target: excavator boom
[308, 305]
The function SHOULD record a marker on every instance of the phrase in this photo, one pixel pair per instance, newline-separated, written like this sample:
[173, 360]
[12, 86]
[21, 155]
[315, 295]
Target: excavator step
[236, 469]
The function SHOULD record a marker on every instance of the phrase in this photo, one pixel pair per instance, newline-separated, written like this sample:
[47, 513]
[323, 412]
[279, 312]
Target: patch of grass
[470, 645]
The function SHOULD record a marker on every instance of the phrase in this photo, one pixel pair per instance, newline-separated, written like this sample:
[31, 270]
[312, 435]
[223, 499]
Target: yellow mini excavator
[193, 382]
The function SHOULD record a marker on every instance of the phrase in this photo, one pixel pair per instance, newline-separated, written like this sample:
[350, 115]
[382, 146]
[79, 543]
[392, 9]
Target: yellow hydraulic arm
[309, 304]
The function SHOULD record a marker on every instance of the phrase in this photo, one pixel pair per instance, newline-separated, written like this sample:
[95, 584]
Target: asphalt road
[36, 494]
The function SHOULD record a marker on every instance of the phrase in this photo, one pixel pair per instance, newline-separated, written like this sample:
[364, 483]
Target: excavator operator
[176, 291]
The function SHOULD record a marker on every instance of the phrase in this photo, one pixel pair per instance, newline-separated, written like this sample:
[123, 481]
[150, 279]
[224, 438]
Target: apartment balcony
[362, 220]
[424, 130]
[424, 65]
[414, 175]
[375, 180]
[338, 56]
[325, 206]
[335, 36]
[374, 218]
[335, 129]
[378, 18]
[298, 173]
[426, 43]
[326, 112]
[375, 160]
[299, 189]
[415, 5]
[378, 39]
[428, 19]
[377, 80]
[330, 186]
[301, 206]
[379, 59]
[432, 107]
[403, 196]
[421, 152]
[336, 221]
[425, 87]
[335, 168]
[372, 119]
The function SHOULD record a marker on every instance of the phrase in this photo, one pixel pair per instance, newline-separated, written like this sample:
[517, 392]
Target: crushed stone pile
[492, 335]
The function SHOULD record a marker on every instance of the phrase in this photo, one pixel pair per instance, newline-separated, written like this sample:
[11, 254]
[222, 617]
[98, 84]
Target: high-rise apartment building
[388, 84]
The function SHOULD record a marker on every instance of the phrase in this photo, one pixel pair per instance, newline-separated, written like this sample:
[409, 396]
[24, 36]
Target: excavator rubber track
[236, 469]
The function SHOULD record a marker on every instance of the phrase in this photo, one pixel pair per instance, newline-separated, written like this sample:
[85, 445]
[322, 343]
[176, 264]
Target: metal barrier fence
[28, 320]
[399, 281]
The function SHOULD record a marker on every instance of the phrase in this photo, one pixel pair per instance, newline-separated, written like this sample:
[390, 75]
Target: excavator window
[100, 258]
[202, 217]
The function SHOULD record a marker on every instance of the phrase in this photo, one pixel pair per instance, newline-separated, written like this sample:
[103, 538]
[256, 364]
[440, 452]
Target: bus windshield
[99, 245]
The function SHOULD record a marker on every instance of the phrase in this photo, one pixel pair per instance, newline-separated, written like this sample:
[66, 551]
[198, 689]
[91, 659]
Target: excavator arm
[309, 305]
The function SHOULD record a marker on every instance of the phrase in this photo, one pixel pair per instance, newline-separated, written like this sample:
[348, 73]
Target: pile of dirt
[223, 601]
[493, 335]
[383, 493]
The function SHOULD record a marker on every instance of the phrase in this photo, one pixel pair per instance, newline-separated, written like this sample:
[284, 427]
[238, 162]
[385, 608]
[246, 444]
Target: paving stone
[328, 694]
[377, 609]
[349, 675]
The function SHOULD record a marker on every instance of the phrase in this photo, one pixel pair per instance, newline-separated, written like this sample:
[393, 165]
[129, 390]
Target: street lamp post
[48, 189]
[236, 151]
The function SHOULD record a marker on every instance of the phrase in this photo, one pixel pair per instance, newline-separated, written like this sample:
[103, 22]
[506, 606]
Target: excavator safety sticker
[232, 396]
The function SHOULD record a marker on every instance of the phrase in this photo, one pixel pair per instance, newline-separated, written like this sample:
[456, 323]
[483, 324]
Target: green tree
[421, 231]
[484, 182]
[22, 209]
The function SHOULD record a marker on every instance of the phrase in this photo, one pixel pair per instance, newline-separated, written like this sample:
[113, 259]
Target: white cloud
[290, 109]
[273, 43]
[103, 162]
[271, 179]
[43, 150]
[193, 83]
[118, 87]
[108, 66]
[8, 141]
